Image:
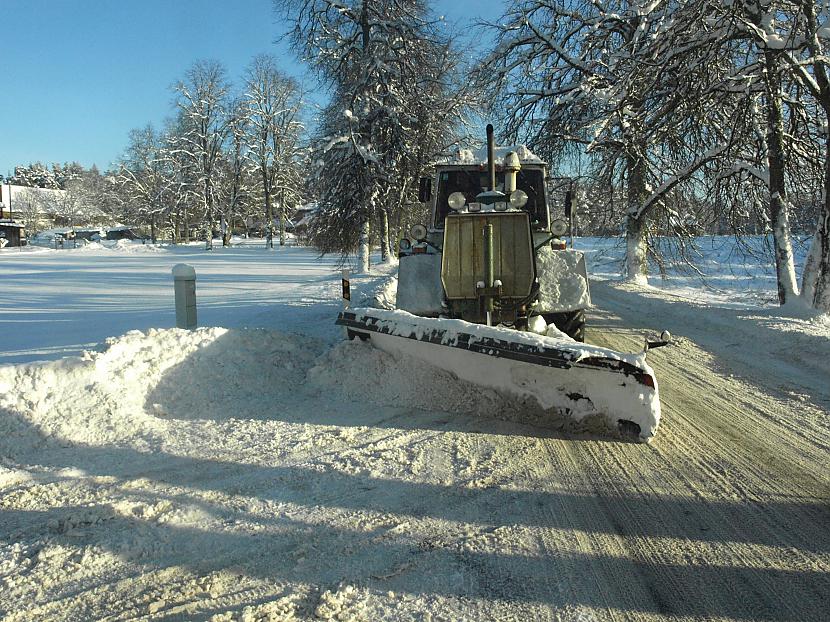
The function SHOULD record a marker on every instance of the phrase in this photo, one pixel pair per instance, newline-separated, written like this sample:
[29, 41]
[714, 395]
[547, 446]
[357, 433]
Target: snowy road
[250, 474]
[728, 511]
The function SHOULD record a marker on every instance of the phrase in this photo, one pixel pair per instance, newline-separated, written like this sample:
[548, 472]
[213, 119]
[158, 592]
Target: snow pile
[141, 380]
[358, 372]
[133, 246]
[376, 293]
[54, 396]
[562, 284]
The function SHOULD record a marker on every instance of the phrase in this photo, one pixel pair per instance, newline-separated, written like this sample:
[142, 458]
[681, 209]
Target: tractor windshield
[474, 181]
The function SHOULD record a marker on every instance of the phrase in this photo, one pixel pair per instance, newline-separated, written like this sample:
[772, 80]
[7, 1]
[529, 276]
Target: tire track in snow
[776, 485]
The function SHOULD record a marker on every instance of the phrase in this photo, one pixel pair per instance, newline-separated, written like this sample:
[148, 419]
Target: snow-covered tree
[376, 56]
[201, 100]
[769, 156]
[811, 65]
[759, 49]
[144, 177]
[32, 208]
[581, 76]
[235, 171]
[35, 175]
[273, 103]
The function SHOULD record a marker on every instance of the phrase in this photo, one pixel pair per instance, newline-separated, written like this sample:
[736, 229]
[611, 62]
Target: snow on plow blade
[562, 374]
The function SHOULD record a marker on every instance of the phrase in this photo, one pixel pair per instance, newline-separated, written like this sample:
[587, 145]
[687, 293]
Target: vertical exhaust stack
[491, 160]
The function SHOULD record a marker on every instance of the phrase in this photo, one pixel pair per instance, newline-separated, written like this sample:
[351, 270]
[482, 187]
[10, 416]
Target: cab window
[471, 182]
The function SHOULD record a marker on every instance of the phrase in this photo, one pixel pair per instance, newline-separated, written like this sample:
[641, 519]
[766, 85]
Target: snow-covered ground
[721, 271]
[262, 469]
[56, 303]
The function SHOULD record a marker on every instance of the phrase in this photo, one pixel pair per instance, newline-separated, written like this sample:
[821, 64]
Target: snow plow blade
[560, 374]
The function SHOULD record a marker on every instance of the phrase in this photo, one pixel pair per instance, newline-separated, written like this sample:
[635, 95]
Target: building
[11, 233]
[34, 207]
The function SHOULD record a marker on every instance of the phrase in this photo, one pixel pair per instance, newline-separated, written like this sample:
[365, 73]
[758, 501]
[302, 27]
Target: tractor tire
[572, 323]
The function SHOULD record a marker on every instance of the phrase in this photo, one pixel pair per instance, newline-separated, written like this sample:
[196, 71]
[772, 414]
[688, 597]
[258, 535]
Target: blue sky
[77, 75]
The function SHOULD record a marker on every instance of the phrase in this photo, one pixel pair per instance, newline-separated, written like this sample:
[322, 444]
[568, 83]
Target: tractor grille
[462, 263]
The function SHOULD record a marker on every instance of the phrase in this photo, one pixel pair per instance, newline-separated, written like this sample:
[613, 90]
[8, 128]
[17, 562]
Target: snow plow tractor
[490, 291]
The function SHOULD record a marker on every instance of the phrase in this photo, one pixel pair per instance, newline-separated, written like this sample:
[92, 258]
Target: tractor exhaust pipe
[491, 161]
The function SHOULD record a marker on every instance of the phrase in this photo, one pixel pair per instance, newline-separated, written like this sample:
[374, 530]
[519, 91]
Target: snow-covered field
[262, 469]
[56, 303]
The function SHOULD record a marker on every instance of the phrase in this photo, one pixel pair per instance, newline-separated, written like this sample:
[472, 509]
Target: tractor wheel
[572, 323]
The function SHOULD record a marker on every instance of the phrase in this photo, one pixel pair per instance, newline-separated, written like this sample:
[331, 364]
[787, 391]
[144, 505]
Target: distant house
[11, 233]
[32, 205]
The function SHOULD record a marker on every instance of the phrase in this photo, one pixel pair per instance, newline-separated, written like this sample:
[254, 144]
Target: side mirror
[425, 189]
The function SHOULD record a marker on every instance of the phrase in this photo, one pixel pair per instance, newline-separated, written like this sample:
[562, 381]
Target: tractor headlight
[404, 244]
[456, 200]
[419, 232]
[558, 227]
[518, 198]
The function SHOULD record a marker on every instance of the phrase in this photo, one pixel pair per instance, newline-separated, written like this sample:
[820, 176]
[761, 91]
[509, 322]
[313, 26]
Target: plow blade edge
[572, 378]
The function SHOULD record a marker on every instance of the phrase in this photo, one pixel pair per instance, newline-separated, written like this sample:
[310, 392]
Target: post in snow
[184, 285]
[347, 290]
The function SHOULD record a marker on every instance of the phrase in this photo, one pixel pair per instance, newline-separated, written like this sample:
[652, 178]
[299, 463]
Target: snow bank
[356, 371]
[562, 284]
[140, 380]
[98, 397]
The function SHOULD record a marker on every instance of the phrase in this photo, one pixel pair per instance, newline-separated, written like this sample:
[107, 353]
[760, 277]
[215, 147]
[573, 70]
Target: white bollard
[184, 284]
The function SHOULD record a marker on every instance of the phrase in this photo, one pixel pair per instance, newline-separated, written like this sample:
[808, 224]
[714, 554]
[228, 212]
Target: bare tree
[582, 77]
[201, 99]
[810, 64]
[144, 176]
[234, 170]
[273, 103]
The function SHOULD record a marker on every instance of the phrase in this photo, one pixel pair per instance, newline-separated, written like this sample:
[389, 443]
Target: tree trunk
[778, 205]
[821, 290]
[186, 227]
[208, 210]
[816, 279]
[816, 283]
[208, 225]
[153, 228]
[636, 250]
[636, 244]
[384, 236]
[269, 214]
[282, 217]
[811, 266]
[226, 231]
[363, 248]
